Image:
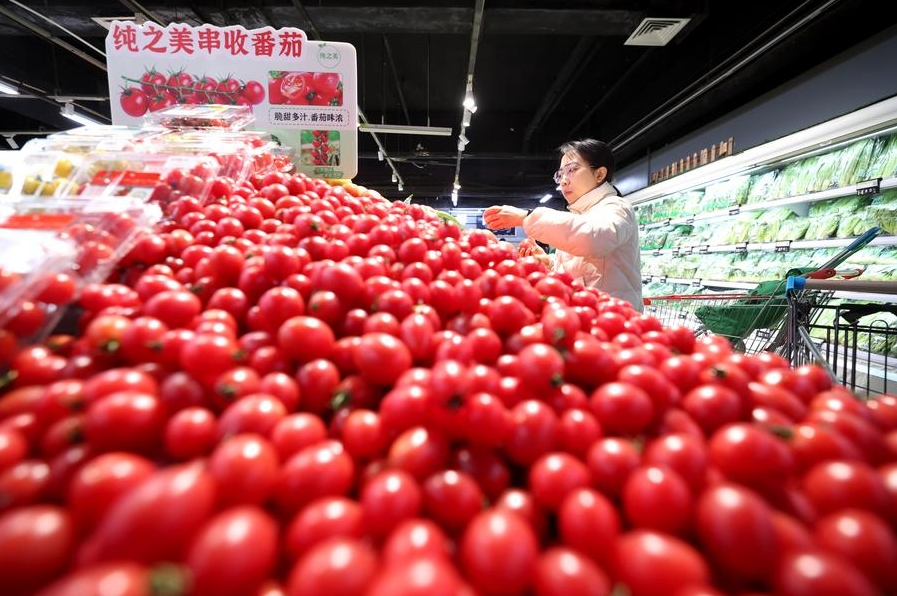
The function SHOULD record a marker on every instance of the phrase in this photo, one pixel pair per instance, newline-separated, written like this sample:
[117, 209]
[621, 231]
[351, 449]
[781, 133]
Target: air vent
[656, 32]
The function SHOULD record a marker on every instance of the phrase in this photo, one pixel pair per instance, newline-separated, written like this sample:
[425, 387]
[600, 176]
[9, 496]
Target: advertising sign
[303, 92]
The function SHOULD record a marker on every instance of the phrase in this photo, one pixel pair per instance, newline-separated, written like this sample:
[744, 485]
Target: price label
[764, 333]
[869, 187]
[686, 251]
[690, 220]
[641, 227]
[656, 253]
[741, 247]
[703, 250]
[662, 279]
[734, 210]
[783, 246]
[667, 221]
[676, 252]
[696, 283]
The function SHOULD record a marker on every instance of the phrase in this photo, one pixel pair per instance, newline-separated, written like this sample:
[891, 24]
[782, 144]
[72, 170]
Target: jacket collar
[588, 200]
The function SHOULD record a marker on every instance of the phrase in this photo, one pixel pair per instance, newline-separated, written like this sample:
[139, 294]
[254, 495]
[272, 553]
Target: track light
[462, 138]
[401, 187]
[8, 89]
[455, 198]
[457, 185]
[461, 145]
[465, 120]
[379, 154]
[394, 177]
[545, 198]
[68, 110]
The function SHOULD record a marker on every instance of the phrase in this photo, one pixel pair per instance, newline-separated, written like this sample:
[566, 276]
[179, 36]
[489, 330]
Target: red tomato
[324, 518]
[36, 545]
[421, 576]
[655, 564]
[126, 578]
[190, 433]
[99, 484]
[534, 431]
[554, 475]
[589, 523]
[750, 455]
[498, 552]
[389, 498]
[452, 498]
[125, 421]
[611, 460]
[657, 498]
[166, 510]
[622, 408]
[681, 452]
[835, 485]
[736, 528]
[563, 571]
[343, 566]
[233, 553]
[812, 573]
[865, 540]
[245, 469]
[319, 470]
[415, 538]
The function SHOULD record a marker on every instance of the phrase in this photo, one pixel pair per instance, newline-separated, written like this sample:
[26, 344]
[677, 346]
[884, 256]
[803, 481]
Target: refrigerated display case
[798, 199]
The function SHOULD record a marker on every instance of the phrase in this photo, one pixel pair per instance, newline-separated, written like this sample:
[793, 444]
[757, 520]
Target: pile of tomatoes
[307, 389]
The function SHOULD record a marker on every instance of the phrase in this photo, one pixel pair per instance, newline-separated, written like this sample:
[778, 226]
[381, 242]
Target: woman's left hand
[501, 217]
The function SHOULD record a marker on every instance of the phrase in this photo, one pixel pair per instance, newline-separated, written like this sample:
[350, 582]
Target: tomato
[486, 466]
[812, 573]
[24, 483]
[415, 538]
[681, 452]
[420, 451]
[134, 102]
[815, 443]
[119, 578]
[421, 576]
[563, 571]
[233, 553]
[610, 461]
[166, 510]
[323, 518]
[245, 469]
[622, 408]
[13, 448]
[125, 421]
[319, 470]
[36, 545]
[750, 455]
[651, 563]
[713, 406]
[381, 358]
[336, 566]
[657, 498]
[452, 498]
[735, 527]
[554, 475]
[865, 540]
[834, 485]
[304, 338]
[589, 523]
[498, 552]
[534, 431]
[254, 92]
[389, 498]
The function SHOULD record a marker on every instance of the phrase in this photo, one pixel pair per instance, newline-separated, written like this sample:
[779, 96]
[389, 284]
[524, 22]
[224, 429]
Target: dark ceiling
[543, 72]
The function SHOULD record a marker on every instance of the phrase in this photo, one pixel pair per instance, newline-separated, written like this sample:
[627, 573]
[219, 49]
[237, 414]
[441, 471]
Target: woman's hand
[529, 248]
[501, 217]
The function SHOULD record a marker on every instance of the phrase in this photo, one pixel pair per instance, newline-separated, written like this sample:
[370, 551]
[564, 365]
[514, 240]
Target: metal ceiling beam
[475, 33]
[395, 78]
[41, 32]
[579, 57]
[136, 7]
[311, 30]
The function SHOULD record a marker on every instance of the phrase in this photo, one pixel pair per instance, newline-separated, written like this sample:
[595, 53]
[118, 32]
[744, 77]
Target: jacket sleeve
[596, 233]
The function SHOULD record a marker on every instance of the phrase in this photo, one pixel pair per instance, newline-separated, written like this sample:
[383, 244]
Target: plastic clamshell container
[233, 152]
[149, 177]
[44, 172]
[10, 165]
[213, 116]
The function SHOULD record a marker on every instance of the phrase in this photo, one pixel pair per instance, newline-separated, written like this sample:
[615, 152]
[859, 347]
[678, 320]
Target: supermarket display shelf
[777, 246]
[703, 283]
[799, 203]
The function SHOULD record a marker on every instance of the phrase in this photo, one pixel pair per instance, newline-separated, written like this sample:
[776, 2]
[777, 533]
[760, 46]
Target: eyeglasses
[567, 171]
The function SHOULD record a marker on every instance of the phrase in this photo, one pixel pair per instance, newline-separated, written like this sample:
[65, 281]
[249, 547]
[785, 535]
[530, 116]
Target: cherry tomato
[498, 552]
[651, 563]
[36, 545]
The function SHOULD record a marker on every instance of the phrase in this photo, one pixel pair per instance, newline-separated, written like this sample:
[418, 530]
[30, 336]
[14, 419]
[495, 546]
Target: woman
[597, 241]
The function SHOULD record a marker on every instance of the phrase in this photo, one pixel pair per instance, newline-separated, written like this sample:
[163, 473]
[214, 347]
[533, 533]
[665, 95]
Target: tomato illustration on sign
[305, 88]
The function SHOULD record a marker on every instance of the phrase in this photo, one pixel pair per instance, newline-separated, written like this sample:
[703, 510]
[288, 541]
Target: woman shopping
[596, 241]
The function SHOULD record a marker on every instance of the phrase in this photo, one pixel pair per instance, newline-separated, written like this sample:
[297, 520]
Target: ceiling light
[401, 188]
[457, 185]
[8, 89]
[401, 129]
[455, 198]
[379, 154]
[462, 138]
[68, 110]
[468, 102]
[545, 198]
[394, 177]
[465, 120]
[461, 145]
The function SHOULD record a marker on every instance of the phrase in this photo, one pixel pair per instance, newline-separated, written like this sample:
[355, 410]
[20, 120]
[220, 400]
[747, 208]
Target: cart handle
[843, 285]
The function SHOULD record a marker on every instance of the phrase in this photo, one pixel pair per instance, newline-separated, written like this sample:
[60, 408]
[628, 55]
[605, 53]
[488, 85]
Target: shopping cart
[856, 343]
[752, 321]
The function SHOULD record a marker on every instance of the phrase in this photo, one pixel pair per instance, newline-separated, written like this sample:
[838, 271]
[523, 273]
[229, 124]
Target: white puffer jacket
[597, 242]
